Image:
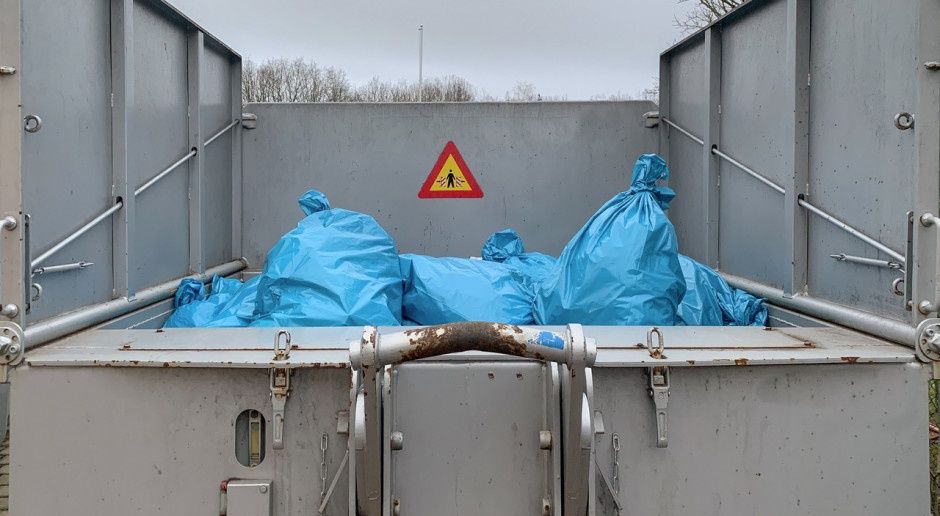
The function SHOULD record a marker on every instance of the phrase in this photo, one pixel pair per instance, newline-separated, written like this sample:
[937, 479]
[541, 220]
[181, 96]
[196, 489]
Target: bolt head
[263, 489]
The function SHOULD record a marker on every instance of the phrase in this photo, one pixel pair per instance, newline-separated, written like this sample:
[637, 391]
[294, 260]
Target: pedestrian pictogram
[450, 178]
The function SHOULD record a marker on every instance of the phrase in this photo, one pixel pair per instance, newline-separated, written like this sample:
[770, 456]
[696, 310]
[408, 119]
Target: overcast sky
[572, 48]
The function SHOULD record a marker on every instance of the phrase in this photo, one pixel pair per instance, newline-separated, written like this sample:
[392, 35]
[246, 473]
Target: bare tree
[523, 92]
[704, 13]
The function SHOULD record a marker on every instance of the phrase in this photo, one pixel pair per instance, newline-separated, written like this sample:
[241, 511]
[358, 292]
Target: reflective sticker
[450, 178]
[550, 340]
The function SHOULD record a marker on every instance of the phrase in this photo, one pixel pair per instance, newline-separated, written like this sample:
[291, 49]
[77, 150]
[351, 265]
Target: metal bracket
[928, 340]
[249, 121]
[12, 348]
[659, 386]
[933, 66]
[7, 70]
[651, 119]
[280, 388]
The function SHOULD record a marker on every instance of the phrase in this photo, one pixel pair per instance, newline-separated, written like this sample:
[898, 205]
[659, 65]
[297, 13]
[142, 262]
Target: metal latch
[659, 386]
[280, 388]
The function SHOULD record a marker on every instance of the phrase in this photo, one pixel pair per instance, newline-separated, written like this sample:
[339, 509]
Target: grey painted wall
[544, 168]
[861, 168]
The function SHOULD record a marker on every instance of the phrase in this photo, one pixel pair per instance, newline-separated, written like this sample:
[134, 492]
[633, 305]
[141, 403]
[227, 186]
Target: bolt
[397, 440]
[933, 66]
[9, 70]
[8, 223]
[545, 440]
[263, 488]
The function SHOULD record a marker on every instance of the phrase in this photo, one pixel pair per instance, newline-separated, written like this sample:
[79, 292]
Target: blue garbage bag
[710, 301]
[622, 267]
[194, 308]
[506, 246]
[237, 308]
[444, 290]
[336, 268]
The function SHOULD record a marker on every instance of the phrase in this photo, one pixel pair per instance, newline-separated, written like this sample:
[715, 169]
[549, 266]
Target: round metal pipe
[888, 329]
[222, 131]
[78, 232]
[852, 231]
[153, 180]
[68, 323]
[380, 350]
[749, 171]
[691, 136]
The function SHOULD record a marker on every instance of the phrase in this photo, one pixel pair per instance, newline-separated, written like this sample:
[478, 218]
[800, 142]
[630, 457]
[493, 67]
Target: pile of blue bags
[340, 268]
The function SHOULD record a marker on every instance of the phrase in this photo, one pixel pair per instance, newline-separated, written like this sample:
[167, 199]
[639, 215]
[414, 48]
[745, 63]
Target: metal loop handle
[896, 286]
[37, 288]
[282, 352]
[656, 352]
[32, 123]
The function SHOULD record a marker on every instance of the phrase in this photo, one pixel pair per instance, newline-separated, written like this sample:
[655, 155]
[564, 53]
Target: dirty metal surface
[841, 440]
[160, 441]
[471, 437]
[617, 346]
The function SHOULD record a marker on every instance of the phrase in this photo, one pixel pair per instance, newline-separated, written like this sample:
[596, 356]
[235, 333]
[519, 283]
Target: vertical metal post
[797, 148]
[196, 50]
[122, 102]
[13, 265]
[711, 137]
[420, 63]
[664, 77]
[237, 159]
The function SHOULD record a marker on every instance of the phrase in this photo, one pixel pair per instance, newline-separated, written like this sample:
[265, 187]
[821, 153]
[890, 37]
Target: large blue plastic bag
[194, 308]
[710, 301]
[237, 308]
[506, 246]
[622, 267]
[444, 290]
[336, 268]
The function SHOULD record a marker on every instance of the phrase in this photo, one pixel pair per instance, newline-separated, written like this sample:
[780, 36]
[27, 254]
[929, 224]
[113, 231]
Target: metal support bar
[691, 136]
[122, 91]
[852, 231]
[712, 139]
[235, 99]
[52, 269]
[196, 51]
[796, 144]
[861, 260]
[748, 171]
[77, 233]
[83, 318]
[664, 106]
[13, 250]
[153, 180]
[222, 131]
[884, 328]
[457, 337]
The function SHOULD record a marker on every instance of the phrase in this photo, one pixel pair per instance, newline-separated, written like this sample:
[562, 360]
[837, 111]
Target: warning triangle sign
[450, 178]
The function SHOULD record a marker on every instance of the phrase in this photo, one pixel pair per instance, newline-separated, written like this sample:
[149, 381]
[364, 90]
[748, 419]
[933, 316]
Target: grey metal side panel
[687, 108]
[162, 440]
[840, 440]
[217, 186]
[544, 168]
[753, 130]
[471, 434]
[67, 165]
[861, 166]
[158, 138]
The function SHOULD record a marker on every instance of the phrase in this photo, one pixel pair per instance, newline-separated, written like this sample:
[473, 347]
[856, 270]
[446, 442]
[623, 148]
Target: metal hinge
[659, 387]
[280, 388]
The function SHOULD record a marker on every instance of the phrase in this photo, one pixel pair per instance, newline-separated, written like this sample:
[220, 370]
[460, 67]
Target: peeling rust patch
[740, 361]
[455, 338]
[691, 362]
[850, 360]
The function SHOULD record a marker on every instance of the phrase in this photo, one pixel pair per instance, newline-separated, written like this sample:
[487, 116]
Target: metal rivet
[263, 489]
[396, 440]
[32, 123]
[8, 223]
[545, 440]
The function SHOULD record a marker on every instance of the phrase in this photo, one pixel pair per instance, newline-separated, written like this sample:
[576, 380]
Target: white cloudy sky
[572, 48]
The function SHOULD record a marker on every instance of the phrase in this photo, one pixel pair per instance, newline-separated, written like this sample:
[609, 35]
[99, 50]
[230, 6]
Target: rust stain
[691, 362]
[740, 361]
[850, 360]
[458, 337]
